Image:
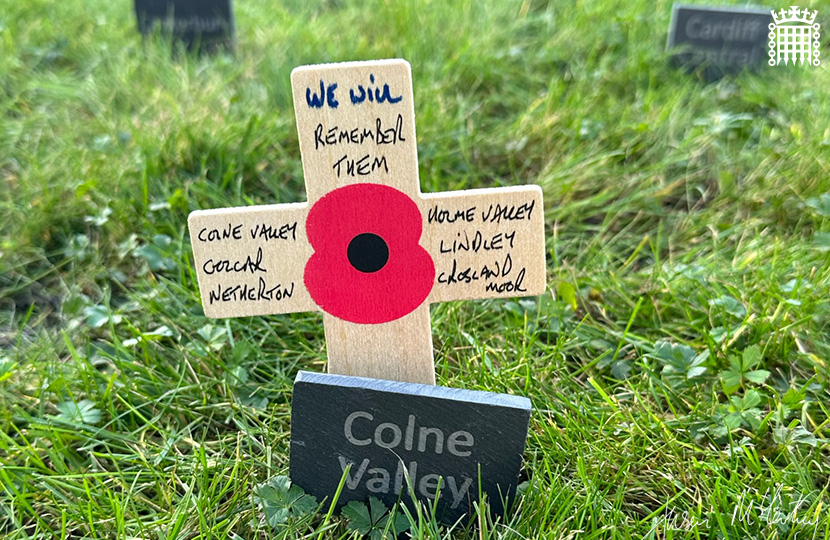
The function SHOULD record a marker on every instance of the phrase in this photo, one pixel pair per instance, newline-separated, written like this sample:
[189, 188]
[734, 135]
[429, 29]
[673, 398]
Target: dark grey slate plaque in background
[720, 40]
[208, 23]
[386, 429]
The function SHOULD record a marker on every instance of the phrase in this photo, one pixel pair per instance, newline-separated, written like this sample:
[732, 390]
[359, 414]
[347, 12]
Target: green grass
[688, 241]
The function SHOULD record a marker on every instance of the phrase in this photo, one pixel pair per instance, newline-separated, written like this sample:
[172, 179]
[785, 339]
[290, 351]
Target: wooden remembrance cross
[368, 249]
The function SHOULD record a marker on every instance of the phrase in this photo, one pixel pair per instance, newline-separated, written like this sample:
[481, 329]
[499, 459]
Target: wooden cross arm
[485, 243]
[250, 260]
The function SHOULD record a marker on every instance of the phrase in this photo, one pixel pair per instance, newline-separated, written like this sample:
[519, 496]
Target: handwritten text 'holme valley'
[496, 274]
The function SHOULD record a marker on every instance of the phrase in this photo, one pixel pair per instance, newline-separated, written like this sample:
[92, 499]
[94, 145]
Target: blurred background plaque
[719, 40]
[199, 24]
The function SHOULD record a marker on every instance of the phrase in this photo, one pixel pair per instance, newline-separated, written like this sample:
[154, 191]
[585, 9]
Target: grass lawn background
[678, 363]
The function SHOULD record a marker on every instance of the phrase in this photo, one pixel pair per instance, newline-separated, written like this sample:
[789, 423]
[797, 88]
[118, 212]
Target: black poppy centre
[368, 252]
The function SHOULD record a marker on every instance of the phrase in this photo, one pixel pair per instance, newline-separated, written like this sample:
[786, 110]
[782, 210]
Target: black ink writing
[337, 135]
[514, 285]
[360, 167]
[436, 214]
[381, 134]
[389, 135]
[247, 264]
[491, 274]
[250, 293]
[497, 213]
[470, 274]
[478, 242]
[231, 232]
[268, 232]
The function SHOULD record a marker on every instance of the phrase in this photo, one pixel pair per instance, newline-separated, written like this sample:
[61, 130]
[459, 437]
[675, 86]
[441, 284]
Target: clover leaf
[681, 364]
[740, 370]
[280, 500]
[820, 204]
[375, 520]
[790, 438]
[83, 412]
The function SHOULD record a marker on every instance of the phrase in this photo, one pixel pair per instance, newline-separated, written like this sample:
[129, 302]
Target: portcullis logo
[794, 36]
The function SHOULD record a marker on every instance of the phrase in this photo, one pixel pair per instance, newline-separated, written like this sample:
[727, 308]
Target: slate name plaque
[722, 40]
[208, 23]
[387, 430]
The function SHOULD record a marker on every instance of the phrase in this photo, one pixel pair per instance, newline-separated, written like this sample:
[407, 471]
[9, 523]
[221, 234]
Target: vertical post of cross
[356, 124]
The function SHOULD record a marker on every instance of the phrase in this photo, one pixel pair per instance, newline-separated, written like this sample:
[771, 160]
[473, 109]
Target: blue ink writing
[326, 95]
[376, 93]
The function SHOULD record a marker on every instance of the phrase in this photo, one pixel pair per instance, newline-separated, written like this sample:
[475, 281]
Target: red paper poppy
[367, 266]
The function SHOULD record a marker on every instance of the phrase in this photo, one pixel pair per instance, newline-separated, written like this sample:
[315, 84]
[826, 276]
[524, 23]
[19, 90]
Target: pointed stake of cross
[371, 258]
